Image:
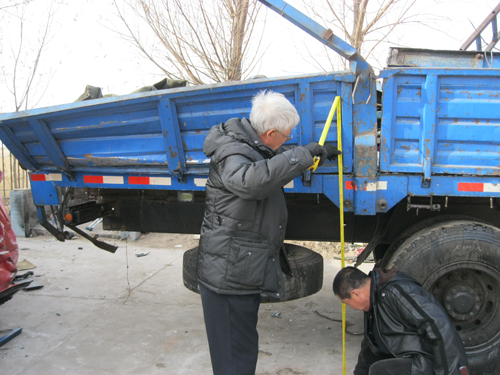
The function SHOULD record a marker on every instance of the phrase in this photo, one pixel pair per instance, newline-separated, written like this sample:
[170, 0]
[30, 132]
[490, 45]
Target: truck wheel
[459, 262]
[410, 231]
[306, 265]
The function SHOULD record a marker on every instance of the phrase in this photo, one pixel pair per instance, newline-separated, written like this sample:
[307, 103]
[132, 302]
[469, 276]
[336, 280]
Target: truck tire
[459, 262]
[417, 227]
[306, 265]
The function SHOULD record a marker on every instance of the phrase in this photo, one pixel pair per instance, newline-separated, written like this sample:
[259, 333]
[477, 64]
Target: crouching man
[407, 332]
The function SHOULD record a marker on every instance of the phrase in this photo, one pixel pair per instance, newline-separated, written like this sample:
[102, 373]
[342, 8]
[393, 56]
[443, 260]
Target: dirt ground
[104, 313]
[329, 250]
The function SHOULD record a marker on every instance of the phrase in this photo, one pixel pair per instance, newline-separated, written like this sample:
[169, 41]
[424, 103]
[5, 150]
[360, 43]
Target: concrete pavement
[96, 316]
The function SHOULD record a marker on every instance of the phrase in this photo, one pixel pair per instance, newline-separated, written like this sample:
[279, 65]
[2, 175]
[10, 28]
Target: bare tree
[22, 53]
[6, 4]
[365, 24]
[198, 40]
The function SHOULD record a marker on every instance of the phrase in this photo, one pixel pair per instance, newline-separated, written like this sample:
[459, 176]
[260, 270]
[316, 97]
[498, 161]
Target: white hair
[271, 110]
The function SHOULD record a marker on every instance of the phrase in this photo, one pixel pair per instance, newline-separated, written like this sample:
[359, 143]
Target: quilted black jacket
[246, 214]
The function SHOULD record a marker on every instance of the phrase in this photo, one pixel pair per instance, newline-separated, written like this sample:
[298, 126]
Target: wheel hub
[461, 300]
[470, 296]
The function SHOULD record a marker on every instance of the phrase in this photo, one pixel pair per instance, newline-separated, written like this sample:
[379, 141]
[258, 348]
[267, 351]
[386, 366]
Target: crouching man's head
[352, 287]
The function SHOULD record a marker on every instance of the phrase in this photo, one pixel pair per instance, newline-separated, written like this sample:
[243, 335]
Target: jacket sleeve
[417, 309]
[260, 179]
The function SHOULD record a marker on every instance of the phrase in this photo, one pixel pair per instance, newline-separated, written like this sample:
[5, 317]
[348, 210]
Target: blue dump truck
[421, 167]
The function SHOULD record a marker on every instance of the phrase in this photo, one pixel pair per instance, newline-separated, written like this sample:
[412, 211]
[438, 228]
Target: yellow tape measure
[341, 210]
[337, 106]
[322, 139]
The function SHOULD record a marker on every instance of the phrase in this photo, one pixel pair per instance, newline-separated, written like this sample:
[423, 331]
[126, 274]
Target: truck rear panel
[441, 122]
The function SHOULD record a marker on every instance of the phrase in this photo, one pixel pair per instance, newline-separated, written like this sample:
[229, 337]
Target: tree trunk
[239, 17]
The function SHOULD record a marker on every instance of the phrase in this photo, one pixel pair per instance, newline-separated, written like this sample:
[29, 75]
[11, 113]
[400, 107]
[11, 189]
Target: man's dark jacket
[245, 212]
[406, 321]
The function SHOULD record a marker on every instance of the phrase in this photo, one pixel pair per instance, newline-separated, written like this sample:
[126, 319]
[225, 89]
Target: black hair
[347, 279]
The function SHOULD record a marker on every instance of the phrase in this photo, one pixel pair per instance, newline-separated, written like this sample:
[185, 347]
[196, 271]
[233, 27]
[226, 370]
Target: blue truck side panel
[159, 132]
[439, 136]
[441, 121]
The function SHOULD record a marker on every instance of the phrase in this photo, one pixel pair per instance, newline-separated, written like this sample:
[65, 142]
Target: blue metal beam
[17, 149]
[49, 144]
[429, 123]
[416, 57]
[11, 334]
[325, 36]
[172, 138]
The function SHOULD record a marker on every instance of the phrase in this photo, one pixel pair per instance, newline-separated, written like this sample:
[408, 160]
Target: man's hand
[327, 151]
[333, 152]
[316, 150]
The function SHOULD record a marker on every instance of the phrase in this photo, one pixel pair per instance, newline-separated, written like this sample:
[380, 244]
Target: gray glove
[316, 150]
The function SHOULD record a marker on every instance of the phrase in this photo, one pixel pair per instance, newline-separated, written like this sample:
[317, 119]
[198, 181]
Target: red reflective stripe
[37, 177]
[92, 179]
[138, 180]
[470, 186]
[349, 185]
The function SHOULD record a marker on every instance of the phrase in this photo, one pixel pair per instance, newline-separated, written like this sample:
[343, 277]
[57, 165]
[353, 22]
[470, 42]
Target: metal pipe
[476, 35]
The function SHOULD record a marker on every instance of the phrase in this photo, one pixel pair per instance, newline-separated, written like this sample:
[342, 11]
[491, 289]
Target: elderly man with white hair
[244, 225]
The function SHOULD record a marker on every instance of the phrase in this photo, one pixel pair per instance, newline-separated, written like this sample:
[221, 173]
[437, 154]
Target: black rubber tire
[306, 265]
[417, 227]
[459, 262]
[8, 293]
[5, 299]
[189, 269]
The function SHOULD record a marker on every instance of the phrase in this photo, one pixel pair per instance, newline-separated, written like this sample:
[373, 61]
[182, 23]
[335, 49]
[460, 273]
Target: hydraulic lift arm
[325, 36]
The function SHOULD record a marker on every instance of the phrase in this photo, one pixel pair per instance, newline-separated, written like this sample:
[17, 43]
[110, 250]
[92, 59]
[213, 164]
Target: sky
[84, 49]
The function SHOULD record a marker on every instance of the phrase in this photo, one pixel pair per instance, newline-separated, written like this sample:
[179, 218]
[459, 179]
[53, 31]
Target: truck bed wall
[160, 132]
[439, 136]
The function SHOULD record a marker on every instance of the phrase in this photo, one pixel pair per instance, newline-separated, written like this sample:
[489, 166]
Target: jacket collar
[235, 129]
[379, 278]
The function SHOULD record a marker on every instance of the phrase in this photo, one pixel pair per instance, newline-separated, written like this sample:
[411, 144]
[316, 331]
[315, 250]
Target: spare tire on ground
[306, 265]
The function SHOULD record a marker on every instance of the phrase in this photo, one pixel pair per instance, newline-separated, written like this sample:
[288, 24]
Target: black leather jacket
[245, 211]
[406, 321]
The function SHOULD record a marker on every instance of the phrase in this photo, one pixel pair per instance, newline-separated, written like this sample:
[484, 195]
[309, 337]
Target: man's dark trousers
[371, 364]
[231, 323]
